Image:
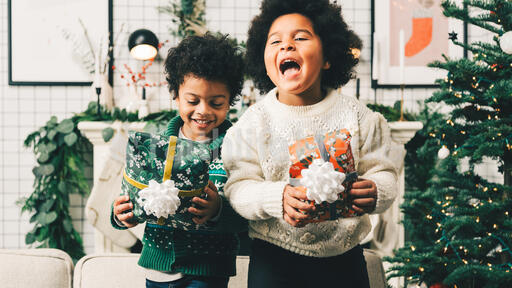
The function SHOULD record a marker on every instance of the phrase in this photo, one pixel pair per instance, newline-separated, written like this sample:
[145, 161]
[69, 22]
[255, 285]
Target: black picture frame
[462, 33]
[16, 77]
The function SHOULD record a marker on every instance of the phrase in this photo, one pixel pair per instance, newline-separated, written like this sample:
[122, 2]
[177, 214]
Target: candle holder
[98, 93]
[402, 87]
[358, 82]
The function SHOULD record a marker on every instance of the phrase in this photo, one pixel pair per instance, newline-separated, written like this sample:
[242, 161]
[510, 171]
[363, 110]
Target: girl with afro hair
[299, 53]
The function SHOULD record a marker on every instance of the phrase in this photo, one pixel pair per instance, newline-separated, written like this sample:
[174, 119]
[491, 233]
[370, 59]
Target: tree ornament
[443, 152]
[506, 42]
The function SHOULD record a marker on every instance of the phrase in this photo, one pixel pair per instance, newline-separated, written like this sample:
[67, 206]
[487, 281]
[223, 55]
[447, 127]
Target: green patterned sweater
[196, 252]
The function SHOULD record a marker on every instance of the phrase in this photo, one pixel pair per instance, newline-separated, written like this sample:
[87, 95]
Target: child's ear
[327, 65]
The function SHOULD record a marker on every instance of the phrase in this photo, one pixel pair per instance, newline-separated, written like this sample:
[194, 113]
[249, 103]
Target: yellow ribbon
[170, 158]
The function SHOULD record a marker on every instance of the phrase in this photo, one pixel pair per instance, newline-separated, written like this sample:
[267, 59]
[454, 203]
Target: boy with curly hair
[205, 73]
[299, 53]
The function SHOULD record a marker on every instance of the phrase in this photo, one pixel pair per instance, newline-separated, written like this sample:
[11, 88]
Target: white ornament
[443, 152]
[322, 181]
[160, 200]
[506, 42]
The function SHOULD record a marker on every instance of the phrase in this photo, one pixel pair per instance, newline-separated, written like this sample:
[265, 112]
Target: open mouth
[289, 66]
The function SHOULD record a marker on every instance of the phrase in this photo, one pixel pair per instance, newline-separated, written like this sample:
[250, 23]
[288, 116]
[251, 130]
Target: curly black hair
[211, 57]
[337, 40]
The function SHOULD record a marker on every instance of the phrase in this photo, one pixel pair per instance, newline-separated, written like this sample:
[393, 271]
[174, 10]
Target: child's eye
[217, 104]
[273, 42]
[300, 38]
[193, 102]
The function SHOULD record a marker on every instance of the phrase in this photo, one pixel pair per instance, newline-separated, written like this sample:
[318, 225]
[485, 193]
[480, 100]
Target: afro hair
[337, 40]
[210, 57]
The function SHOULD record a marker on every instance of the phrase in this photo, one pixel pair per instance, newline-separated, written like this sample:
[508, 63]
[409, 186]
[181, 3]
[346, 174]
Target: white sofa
[44, 268]
[53, 268]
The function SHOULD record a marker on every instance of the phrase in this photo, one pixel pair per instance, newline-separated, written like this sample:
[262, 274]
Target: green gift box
[160, 158]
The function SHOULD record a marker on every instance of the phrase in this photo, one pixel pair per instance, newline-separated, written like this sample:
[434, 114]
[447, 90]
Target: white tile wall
[24, 109]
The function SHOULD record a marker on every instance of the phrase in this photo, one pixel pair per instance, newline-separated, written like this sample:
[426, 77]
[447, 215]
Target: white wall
[25, 109]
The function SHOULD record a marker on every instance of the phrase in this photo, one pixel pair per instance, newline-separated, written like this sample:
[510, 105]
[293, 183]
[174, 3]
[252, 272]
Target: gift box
[162, 175]
[321, 151]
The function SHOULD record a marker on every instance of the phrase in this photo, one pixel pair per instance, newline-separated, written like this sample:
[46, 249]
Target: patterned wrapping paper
[333, 147]
[158, 157]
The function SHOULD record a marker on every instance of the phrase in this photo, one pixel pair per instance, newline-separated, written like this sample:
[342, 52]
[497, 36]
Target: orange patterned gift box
[333, 147]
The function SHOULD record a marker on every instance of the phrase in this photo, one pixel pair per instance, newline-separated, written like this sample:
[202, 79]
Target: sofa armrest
[375, 269]
[109, 270]
[45, 268]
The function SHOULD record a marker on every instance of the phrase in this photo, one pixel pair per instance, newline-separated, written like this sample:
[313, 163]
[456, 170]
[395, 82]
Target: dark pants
[273, 267]
[191, 282]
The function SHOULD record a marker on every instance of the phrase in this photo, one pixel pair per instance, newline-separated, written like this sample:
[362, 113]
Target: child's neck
[310, 96]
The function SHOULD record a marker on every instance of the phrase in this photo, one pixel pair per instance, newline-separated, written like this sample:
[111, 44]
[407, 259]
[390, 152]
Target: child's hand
[292, 197]
[364, 196]
[121, 205]
[209, 207]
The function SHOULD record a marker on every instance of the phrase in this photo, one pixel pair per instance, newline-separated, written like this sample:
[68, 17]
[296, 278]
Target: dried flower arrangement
[83, 48]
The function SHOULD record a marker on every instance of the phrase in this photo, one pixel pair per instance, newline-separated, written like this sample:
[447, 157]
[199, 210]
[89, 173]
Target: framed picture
[407, 35]
[55, 42]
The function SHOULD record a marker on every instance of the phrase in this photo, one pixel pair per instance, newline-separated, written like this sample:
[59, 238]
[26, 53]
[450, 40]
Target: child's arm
[250, 194]
[377, 187]
[120, 215]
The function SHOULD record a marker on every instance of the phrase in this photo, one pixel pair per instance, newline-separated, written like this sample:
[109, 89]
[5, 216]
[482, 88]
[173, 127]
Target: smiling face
[294, 58]
[202, 105]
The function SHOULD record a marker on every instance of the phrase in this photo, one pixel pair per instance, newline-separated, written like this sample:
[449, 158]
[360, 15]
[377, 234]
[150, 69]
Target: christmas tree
[459, 227]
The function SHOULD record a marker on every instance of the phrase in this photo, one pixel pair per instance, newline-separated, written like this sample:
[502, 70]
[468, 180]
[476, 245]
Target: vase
[106, 94]
[133, 99]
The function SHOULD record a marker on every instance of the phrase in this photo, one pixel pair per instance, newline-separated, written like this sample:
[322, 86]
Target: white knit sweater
[255, 155]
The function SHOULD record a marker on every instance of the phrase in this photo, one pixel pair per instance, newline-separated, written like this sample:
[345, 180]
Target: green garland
[60, 148]
[391, 113]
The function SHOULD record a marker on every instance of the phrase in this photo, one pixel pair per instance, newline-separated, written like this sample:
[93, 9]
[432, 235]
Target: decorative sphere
[443, 152]
[506, 42]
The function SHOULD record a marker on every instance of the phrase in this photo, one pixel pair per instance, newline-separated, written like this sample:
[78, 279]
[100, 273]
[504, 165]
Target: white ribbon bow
[322, 181]
[158, 199]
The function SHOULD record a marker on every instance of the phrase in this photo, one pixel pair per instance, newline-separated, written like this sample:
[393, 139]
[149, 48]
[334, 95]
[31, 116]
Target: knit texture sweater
[195, 252]
[255, 155]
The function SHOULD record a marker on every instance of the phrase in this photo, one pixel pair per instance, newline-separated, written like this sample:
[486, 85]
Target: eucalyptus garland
[59, 148]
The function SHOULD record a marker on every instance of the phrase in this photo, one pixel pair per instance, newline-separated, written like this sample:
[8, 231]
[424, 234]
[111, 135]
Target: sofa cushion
[109, 270]
[44, 268]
